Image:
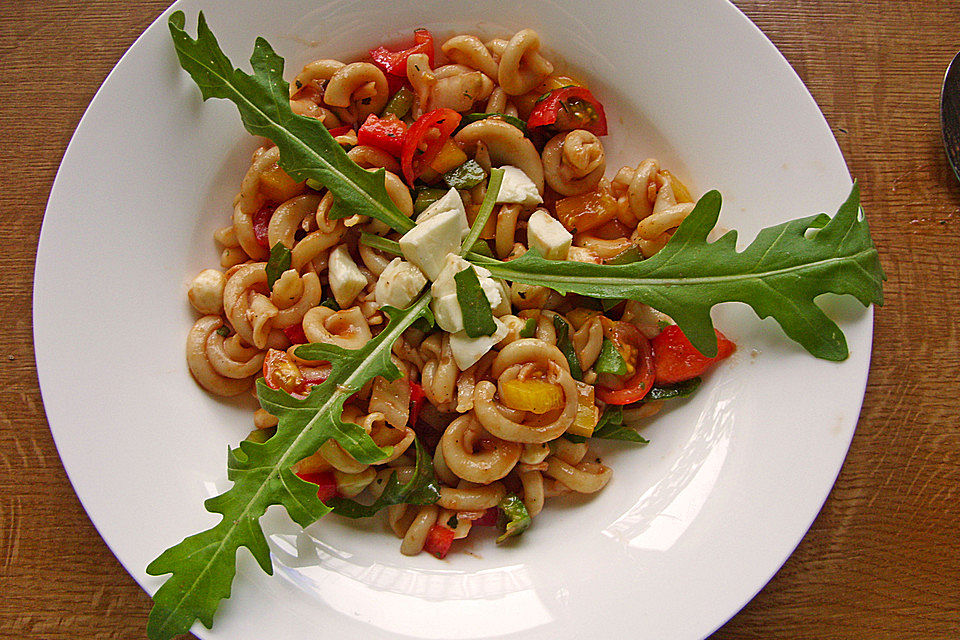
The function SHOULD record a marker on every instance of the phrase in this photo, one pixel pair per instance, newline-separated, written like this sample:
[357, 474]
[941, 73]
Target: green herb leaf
[628, 256]
[466, 176]
[470, 118]
[780, 274]
[669, 392]
[426, 196]
[399, 103]
[566, 347]
[278, 263]
[382, 244]
[610, 360]
[515, 516]
[529, 328]
[330, 303]
[483, 214]
[422, 488]
[203, 565]
[611, 427]
[307, 150]
[474, 306]
[223, 331]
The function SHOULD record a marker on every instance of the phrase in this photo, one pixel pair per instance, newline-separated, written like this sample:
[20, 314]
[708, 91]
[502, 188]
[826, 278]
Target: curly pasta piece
[422, 79]
[347, 328]
[416, 534]
[288, 218]
[533, 497]
[250, 201]
[521, 67]
[506, 231]
[357, 90]
[468, 496]
[471, 52]
[458, 88]
[200, 365]
[587, 342]
[573, 162]
[314, 76]
[585, 477]
[239, 292]
[372, 158]
[494, 460]
[317, 244]
[439, 373]
[295, 297]
[506, 144]
[667, 214]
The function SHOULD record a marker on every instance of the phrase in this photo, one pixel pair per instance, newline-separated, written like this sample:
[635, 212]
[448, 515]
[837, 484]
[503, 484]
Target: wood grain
[882, 559]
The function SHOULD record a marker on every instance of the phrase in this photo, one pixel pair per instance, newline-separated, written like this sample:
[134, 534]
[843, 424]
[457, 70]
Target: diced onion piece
[587, 413]
[586, 211]
[536, 396]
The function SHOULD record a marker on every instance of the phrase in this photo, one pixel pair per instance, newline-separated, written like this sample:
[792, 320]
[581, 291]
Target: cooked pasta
[515, 418]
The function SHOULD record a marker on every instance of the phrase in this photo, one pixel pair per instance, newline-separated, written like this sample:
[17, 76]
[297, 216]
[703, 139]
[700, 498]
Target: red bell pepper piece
[439, 539]
[417, 397]
[641, 381]
[295, 334]
[569, 108]
[383, 133]
[677, 360]
[326, 483]
[261, 225]
[395, 62]
[339, 131]
[424, 139]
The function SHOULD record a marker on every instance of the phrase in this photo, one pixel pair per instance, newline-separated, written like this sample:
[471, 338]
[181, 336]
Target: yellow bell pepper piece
[587, 413]
[536, 396]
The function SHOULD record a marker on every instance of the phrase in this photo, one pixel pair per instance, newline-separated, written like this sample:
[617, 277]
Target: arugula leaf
[669, 392]
[422, 488]
[610, 360]
[483, 214]
[307, 150]
[515, 516]
[780, 274]
[203, 565]
[566, 347]
[529, 328]
[474, 306]
[380, 243]
[279, 262]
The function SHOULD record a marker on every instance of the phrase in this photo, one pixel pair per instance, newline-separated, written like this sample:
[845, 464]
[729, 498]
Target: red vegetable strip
[677, 360]
[383, 133]
[417, 397]
[413, 158]
[438, 542]
[547, 110]
[261, 225]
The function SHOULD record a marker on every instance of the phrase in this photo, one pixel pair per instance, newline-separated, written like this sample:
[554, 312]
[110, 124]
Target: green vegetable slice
[278, 262]
[779, 274]
[611, 427]
[670, 392]
[399, 103]
[529, 328]
[474, 306]
[307, 150]
[514, 516]
[203, 565]
[426, 197]
[610, 360]
[466, 176]
[629, 256]
[566, 346]
[422, 488]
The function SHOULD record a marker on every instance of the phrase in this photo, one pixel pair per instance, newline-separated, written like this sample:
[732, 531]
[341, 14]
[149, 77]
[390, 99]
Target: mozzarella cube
[429, 242]
[548, 236]
[446, 305]
[446, 311]
[451, 201]
[346, 280]
[517, 188]
[503, 308]
[399, 284]
[467, 351]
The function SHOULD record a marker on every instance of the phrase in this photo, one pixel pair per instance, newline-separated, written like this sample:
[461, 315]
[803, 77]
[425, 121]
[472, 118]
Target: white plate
[690, 528]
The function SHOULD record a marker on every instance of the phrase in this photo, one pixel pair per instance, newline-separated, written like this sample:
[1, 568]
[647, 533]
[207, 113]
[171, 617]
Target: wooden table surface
[882, 559]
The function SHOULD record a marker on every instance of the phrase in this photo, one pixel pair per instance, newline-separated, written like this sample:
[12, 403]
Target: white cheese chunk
[467, 351]
[548, 236]
[446, 310]
[451, 201]
[346, 280]
[399, 284]
[517, 188]
[444, 284]
[429, 242]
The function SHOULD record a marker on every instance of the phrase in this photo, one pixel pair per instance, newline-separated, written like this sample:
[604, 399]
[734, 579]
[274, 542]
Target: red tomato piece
[569, 108]
[326, 483]
[383, 133]
[424, 139]
[295, 334]
[438, 542]
[395, 62]
[417, 397]
[281, 372]
[677, 360]
[261, 224]
[640, 383]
